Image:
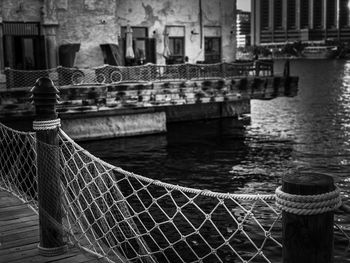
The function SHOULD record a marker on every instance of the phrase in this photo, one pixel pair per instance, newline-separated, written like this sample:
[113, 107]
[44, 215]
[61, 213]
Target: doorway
[212, 51]
[24, 47]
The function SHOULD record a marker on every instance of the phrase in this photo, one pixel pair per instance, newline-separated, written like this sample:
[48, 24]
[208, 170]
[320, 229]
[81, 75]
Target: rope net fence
[125, 217]
[108, 74]
[18, 164]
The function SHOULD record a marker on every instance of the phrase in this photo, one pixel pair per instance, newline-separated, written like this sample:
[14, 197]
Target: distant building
[243, 28]
[276, 21]
[39, 34]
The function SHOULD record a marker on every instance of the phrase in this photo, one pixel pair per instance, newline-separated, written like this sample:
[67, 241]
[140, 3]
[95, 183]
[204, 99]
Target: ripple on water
[309, 132]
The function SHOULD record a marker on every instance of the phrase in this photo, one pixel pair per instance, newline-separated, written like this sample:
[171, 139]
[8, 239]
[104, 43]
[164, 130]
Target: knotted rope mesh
[125, 217]
[18, 164]
[108, 74]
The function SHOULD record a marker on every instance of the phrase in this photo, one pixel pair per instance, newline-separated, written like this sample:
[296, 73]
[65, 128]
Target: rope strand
[308, 204]
[46, 125]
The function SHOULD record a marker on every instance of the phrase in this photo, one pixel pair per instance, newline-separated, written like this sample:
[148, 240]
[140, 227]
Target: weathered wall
[21, 11]
[90, 23]
[95, 22]
[156, 14]
[86, 127]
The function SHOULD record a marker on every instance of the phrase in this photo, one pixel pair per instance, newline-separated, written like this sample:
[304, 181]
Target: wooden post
[307, 238]
[286, 70]
[223, 69]
[48, 164]
[257, 67]
[187, 67]
[271, 68]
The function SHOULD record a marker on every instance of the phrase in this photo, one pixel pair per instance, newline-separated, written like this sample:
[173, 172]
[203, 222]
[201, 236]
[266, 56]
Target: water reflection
[310, 132]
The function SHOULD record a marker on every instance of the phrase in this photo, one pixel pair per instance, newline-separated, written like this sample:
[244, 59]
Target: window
[177, 50]
[318, 12]
[24, 47]
[304, 14]
[144, 47]
[291, 14]
[331, 13]
[265, 14]
[212, 51]
[344, 13]
[278, 14]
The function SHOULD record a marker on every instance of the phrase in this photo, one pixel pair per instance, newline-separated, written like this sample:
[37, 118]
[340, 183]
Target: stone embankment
[125, 109]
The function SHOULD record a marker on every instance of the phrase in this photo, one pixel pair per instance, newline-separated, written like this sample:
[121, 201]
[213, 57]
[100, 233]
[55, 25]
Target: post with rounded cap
[307, 201]
[46, 124]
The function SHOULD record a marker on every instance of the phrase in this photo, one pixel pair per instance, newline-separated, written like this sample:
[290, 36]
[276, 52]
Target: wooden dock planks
[19, 236]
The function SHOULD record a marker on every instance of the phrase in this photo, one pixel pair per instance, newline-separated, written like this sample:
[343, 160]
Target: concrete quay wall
[128, 109]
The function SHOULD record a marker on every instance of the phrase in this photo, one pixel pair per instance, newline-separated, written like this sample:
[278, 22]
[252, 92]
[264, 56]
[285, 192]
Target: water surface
[309, 132]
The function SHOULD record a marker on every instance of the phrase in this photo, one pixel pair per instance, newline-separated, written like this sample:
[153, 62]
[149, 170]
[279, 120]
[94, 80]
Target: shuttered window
[24, 47]
[21, 29]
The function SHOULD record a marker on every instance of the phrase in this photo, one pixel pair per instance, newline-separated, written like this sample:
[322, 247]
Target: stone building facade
[35, 33]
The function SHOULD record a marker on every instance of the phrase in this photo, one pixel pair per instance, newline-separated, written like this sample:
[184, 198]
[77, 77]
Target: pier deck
[19, 236]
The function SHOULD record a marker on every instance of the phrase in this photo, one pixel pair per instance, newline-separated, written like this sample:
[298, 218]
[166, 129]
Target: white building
[243, 28]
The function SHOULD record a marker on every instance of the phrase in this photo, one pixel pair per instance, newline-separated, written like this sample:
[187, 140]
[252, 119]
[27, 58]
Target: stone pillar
[51, 45]
[348, 23]
[227, 32]
[1, 47]
[272, 19]
[285, 18]
[337, 14]
[50, 24]
[2, 62]
[297, 14]
[255, 22]
[311, 14]
[324, 14]
[285, 14]
[337, 18]
[271, 14]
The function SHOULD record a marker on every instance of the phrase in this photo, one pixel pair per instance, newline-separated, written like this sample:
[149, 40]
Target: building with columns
[41, 34]
[278, 21]
[243, 28]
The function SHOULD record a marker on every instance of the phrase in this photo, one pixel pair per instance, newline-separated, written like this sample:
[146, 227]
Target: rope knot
[46, 125]
[308, 204]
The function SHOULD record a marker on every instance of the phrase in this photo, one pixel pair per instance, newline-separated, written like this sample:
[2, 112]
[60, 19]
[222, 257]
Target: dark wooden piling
[307, 238]
[49, 194]
[257, 67]
[286, 69]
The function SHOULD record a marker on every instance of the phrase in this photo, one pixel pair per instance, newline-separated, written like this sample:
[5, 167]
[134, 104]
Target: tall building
[243, 28]
[277, 21]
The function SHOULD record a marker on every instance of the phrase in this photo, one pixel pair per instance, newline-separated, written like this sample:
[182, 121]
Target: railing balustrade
[124, 217]
[107, 74]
